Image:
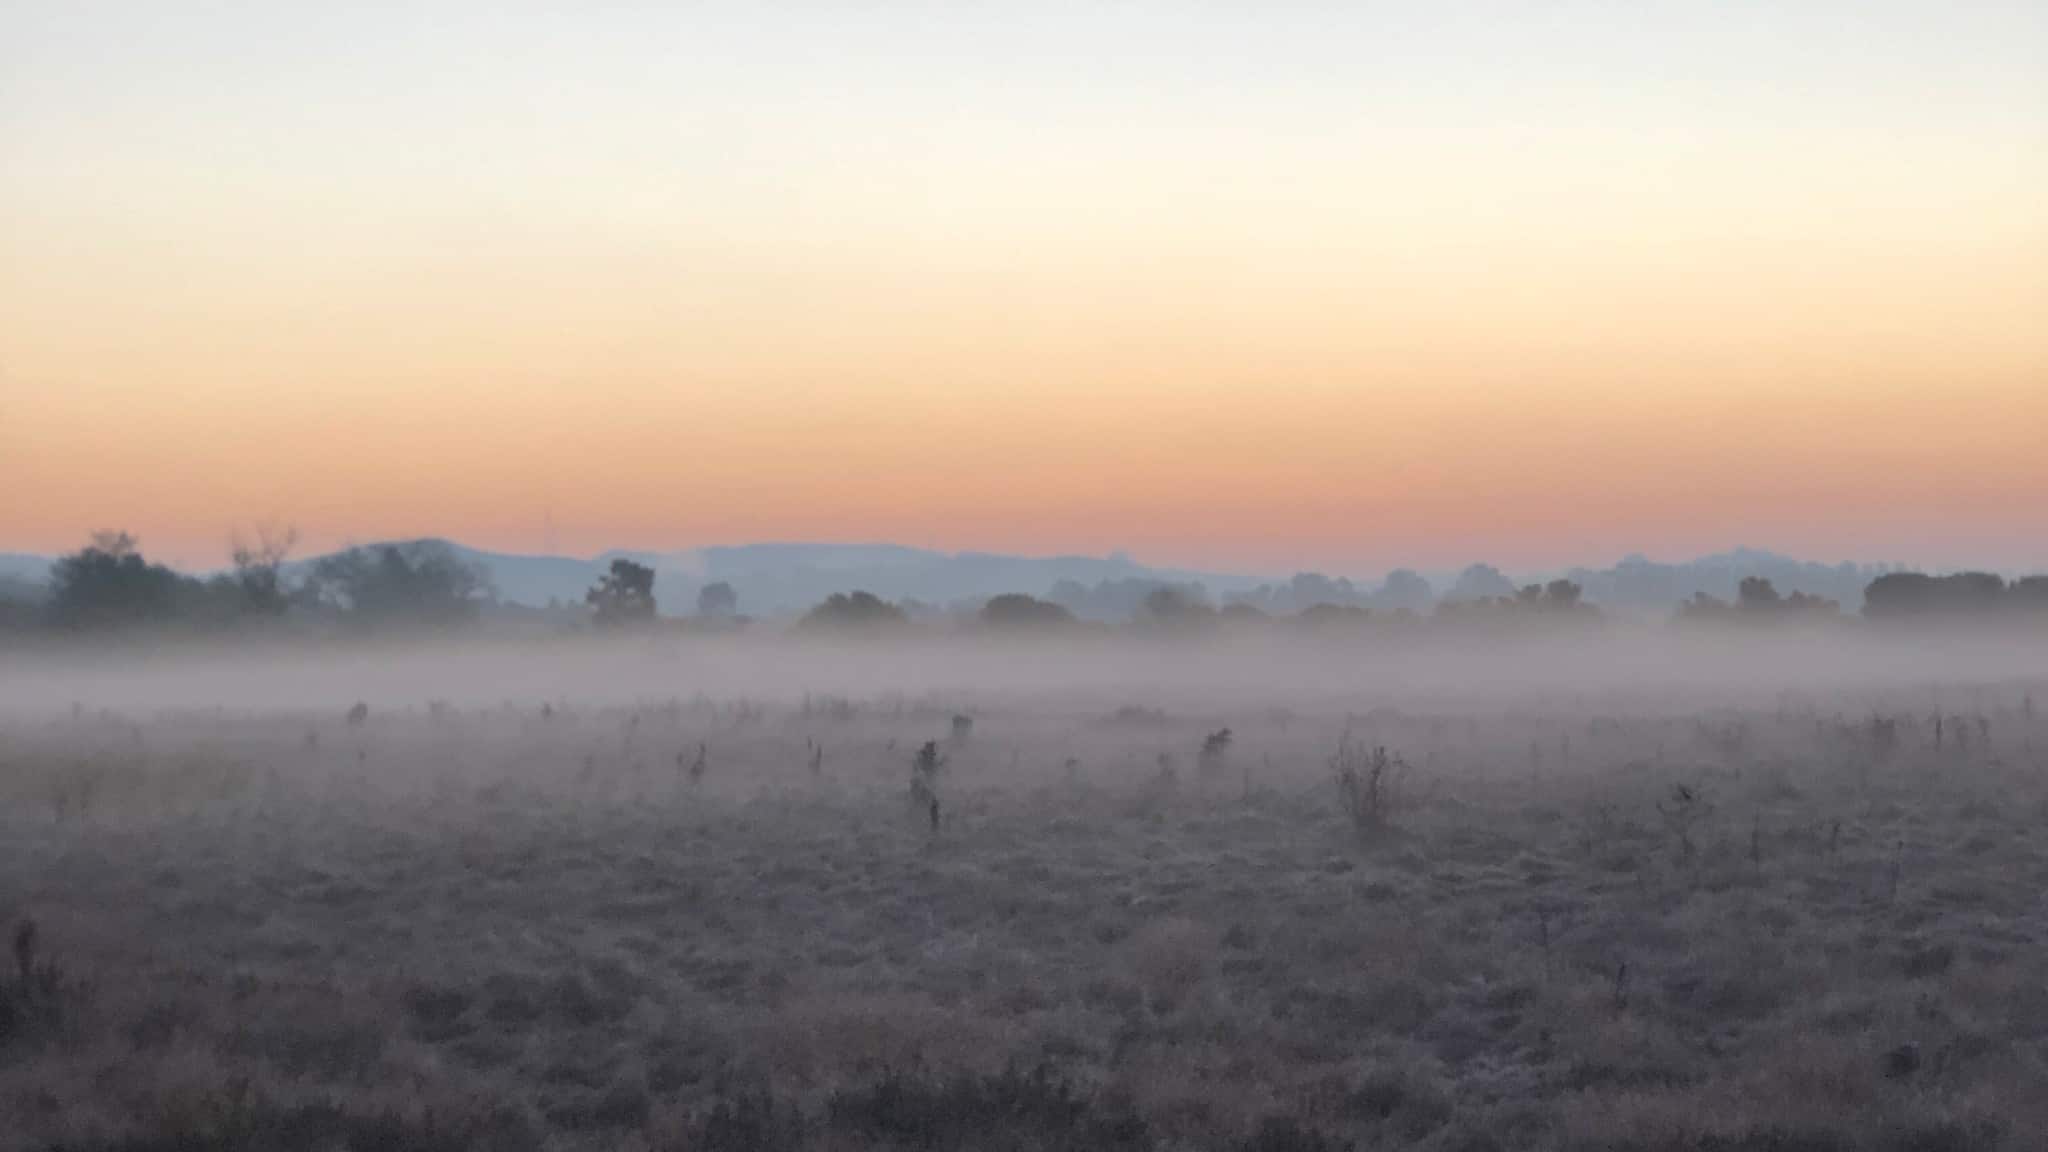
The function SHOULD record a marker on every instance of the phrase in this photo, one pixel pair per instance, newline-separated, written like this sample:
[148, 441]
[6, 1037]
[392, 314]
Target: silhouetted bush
[1014, 610]
[39, 998]
[718, 601]
[843, 610]
[1174, 608]
[1367, 782]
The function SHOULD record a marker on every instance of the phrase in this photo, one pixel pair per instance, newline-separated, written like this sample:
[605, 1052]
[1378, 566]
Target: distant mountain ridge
[780, 578]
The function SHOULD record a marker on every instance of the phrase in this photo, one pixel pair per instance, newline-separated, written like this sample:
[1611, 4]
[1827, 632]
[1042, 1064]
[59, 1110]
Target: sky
[1257, 286]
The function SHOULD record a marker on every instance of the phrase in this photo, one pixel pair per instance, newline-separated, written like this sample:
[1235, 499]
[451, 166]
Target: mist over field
[1620, 666]
[1587, 886]
[1051, 576]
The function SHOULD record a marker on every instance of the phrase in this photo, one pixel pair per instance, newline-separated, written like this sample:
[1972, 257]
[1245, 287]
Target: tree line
[426, 584]
[1893, 598]
[110, 585]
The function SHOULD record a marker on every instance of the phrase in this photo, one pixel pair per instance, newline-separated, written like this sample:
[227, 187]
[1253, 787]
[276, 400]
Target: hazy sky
[1263, 285]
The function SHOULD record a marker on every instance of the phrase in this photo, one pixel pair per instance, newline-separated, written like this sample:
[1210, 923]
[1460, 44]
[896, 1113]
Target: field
[1763, 920]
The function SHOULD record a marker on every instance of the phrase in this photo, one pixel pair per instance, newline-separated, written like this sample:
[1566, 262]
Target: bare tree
[259, 566]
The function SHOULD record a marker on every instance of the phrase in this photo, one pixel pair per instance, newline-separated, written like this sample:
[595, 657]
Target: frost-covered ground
[1648, 920]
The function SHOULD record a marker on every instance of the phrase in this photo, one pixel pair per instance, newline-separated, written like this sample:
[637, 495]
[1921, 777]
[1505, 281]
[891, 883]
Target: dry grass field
[722, 923]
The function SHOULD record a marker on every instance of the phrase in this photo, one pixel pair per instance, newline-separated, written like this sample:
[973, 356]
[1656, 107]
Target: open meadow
[1012, 901]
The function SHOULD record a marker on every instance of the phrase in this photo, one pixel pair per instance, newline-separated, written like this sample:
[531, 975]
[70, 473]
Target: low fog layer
[1612, 667]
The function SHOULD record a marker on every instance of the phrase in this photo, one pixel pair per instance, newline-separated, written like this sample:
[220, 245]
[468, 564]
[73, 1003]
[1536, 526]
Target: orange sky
[1260, 313]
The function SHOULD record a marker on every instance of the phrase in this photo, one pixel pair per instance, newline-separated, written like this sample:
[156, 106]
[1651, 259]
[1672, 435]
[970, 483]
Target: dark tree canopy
[624, 595]
[1019, 611]
[1757, 601]
[1308, 589]
[1322, 617]
[718, 601]
[20, 605]
[2029, 593]
[1481, 582]
[853, 610]
[1116, 599]
[1914, 595]
[420, 582]
[1404, 589]
[1558, 601]
[1755, 592]
[1556, 596]
[1175, 606]
[1562, 595]
[108, 584]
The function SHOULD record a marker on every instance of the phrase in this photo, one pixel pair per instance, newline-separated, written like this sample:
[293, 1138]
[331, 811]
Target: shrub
[854, 610]
[924, 781]
[1016, 610]
[1215, 752]
[39, 999]
[1366, 783]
